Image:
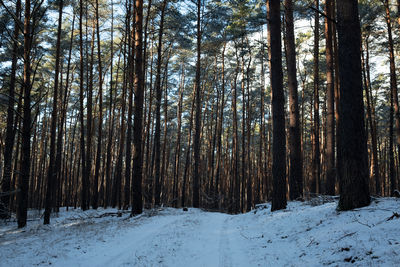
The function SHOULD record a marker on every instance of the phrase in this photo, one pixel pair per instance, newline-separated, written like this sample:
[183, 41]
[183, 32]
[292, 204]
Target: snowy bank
[301, 235]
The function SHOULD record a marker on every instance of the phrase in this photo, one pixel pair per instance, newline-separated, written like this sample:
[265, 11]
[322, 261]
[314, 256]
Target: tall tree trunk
[82, 115]
[235, 142]
[165, 157]
[394, 93]
[316, 164]
[188, 149]
[23, 178]
[375, 173]
[10, 130]
[249, 178]
[60, 133]
[128, 146]
[116, 194]
[278, 110]
[219, 127]
[196, 140]
[353, 172]
[95, 197]
[111, 114]
[137, 205]
[157, 134]
[295, 156]
[330, 99]
[89, 123]
[52, 172]
[178, 139]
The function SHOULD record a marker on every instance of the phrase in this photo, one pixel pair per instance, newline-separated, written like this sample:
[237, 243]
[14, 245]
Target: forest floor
[302, 235]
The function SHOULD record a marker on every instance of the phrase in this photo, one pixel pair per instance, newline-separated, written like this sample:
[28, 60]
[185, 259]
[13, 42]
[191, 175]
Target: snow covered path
[302, 235]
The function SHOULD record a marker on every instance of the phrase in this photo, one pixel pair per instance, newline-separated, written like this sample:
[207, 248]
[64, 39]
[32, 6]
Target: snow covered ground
[301, 235]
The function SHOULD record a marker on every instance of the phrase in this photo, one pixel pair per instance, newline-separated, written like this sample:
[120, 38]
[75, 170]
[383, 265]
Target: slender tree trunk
[394, 93]
[316, 165]
[330, 99]
[128, 146]
[178, 139]
[23, 181]
[10, 130]
[116, 194]
[95, 197]
[157, 134]
[375, 174]
[295, 156]
[81, 116]
[188, 149]
[249, 178]
[164, 165]
[196, 140]
[52, 172]
[107, 191]
[235, 144]
[219, 127]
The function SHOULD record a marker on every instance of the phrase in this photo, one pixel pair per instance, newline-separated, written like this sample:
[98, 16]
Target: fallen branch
[395, 215]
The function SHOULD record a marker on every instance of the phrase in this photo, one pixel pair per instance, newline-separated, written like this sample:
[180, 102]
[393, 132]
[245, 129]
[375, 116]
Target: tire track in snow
[224, 255]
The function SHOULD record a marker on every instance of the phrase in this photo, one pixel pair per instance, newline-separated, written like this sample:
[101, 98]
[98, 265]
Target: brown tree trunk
[157, 134]
[129, 77]
[95, 197]
[52, 172]
[330, 99]
[23, 178]
[81, 115]
[111, 113]
[394, 93]
[295, 156]
[137, 201]
[178, 140]
[278, 110]
[316, 164]
[219, 128]
[196, 140]
[187, 160]
[375, 173]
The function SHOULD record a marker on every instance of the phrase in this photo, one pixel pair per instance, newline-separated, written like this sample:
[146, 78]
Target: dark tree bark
[178, 140]
[353, 172]
[394, 93]
[116, 192]
[128, 146]
[10, 130]
[196, 140]
[375, 172]
[111, 114]
[95, 197]
[235, 143]
[82, 115]
[23, 178]
[60, 133]
[278, 110]
[52, 172]
[316, 160]
[330, 99]
[157, 133]
[188, 149]
[219, 128]
[295, 156]
[137, 205]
